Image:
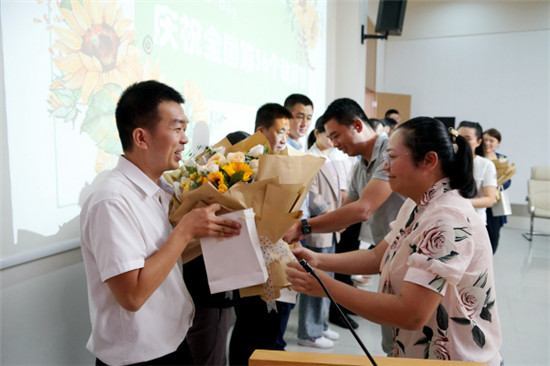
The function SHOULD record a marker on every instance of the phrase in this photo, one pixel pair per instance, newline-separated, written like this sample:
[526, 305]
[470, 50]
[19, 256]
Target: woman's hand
[310, 256]
[304, 282]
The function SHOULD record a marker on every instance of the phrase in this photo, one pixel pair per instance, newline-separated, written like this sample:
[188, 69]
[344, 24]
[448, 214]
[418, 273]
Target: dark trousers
[208, 335]
[181, 356]
[285, 309]
[254, 328]
[494, 223]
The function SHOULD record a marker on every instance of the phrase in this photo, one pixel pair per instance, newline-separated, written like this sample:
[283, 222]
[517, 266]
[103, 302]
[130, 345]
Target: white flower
[182, 182]
[177, 188]
[176, 174]
[189, 163]
[213, 168]
[217, 158]
[254, 165]
[219, 150]
[236, 157]
[202, 169]
[256, 151]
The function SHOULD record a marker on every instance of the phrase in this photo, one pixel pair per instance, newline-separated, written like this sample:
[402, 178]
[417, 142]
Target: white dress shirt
[124, 222]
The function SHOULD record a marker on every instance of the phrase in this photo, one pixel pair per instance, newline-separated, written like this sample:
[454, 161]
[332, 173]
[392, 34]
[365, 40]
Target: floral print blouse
[443, 245]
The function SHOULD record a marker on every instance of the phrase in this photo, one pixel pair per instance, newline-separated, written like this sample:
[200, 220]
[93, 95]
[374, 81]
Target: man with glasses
[370, 199]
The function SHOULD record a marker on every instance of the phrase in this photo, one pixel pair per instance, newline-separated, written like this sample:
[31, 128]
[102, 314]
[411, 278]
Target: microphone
[310, 270]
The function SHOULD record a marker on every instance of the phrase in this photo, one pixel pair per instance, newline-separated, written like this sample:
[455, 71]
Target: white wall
[346, 56]
[486, 66]
[44, 305]
[44, 312]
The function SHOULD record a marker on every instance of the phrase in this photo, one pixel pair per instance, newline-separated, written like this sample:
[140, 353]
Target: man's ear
[358, 125]
[140, 137]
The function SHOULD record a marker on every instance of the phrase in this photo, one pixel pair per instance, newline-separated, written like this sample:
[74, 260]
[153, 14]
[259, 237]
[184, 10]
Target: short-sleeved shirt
[485, 175]
[363, 173]
[124, 222]
[442, 244]
[344, 165]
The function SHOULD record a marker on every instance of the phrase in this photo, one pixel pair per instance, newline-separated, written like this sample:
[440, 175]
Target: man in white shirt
[257, 327]
[140, 309]
[301, 108]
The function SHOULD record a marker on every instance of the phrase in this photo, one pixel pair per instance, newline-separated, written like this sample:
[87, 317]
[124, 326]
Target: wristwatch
[306, 228]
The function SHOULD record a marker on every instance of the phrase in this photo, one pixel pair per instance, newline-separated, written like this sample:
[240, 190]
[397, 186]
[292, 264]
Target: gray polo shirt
[363, 172]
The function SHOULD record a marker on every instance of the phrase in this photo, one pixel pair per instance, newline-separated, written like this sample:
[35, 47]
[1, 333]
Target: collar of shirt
[377, 150]
[295, 144]
[142, 181]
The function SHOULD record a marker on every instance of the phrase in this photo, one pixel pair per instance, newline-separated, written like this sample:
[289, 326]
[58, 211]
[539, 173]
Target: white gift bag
[235, 262]
[502, 207]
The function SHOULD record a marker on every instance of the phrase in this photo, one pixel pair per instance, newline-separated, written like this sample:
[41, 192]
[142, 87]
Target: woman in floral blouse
[437, 285]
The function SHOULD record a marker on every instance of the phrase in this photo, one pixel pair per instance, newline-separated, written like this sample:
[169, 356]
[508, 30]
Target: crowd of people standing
[419, 193]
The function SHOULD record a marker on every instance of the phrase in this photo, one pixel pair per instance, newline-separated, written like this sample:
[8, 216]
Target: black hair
[268, 113]
[376, 123]
[138, 108]
[319, 127]
[294, 99]
[493, 132]
[424, 134]
[390, 122]
[320, 124]
[311, 139]
[390, 111]
[237, 136]
[480, 150]
[346, 111]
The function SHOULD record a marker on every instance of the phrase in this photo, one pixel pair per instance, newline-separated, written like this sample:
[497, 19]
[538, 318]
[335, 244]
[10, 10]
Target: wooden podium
[282, 358]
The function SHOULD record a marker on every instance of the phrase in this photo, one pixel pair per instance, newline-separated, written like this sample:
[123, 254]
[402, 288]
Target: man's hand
[203, 222]
[294, 234]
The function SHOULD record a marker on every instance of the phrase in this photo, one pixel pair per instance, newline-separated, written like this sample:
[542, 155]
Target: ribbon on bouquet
[271, 252]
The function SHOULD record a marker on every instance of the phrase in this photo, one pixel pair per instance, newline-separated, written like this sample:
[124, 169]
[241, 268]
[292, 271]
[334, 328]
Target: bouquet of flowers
[248, 175]
[223, 172]
[505, 170]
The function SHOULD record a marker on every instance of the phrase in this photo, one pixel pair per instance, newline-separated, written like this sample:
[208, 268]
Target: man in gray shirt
[370, 197]
[365, 171]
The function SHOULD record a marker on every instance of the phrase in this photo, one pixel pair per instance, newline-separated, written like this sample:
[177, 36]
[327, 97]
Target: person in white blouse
[485, 172]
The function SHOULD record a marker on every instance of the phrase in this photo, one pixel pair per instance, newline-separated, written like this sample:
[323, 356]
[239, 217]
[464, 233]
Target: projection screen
[65, 64]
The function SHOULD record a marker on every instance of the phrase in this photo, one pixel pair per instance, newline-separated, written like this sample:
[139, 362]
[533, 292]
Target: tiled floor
[523, 295]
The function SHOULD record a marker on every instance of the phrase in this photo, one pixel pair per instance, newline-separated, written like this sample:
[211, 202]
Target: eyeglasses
[388, 158]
